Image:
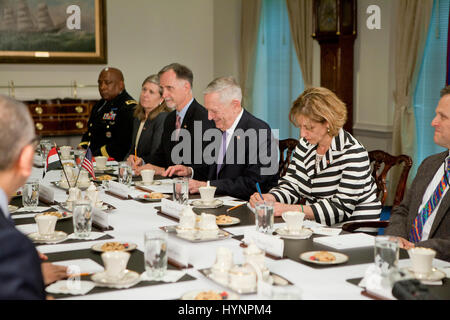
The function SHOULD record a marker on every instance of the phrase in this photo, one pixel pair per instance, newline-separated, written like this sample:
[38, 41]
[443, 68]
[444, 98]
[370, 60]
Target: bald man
[110, 125]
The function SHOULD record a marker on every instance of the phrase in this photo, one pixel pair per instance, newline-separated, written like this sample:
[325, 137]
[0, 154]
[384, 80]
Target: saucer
[192, 294]
[58, 184]
[234, 221]
[303, 234]
[56, 237]
[200, 204]
[12, 208]
[435, 274]
[142, 197]
[129, 279]
[59, 215]
[103, 169]
[340, 258]
[147, 184]
[99, 178]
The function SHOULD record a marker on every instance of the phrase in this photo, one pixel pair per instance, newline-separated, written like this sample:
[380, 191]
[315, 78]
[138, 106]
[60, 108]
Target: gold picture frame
[68, 31]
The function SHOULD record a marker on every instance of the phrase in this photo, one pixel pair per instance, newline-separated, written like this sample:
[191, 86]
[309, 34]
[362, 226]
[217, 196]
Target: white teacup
[65, 151]
[147, 176]
[207, 194]
[46, 224]
[422, 261]
[101, 162]
[115, 263]
[294, 220]
[208, 222]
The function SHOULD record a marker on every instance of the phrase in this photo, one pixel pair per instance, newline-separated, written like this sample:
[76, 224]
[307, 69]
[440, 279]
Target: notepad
[347, 241]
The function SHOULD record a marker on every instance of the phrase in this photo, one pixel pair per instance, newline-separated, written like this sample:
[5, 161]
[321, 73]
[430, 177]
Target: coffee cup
[65, 152]
[294, 220]
[46, 224]
[147, 176]
[422, 261]
[115, 263]
[207, 194]
[101, 162]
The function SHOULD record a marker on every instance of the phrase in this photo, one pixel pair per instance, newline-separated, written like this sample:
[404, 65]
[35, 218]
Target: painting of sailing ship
[44, 30]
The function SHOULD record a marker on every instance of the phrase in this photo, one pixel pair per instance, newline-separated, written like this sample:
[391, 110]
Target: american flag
[87, 162]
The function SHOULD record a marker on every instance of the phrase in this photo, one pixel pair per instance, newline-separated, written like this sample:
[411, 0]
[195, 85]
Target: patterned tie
[178, 126]
[415, 234]
[223, 149]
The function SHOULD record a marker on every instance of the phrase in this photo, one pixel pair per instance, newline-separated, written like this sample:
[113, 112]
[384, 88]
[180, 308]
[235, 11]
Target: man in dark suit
[423, 217]
[184, 127]
[245, 152]
[110, 124]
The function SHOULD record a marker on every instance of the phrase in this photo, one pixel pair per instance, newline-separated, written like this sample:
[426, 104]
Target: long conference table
[131, 219]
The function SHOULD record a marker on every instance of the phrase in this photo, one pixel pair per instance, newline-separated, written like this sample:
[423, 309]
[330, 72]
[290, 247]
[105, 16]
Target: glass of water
[386, 253]
[155, 254]
[44, 146]
[125, 173]
[30, 194]
[264, 216]
[181, 190]
[82, 219]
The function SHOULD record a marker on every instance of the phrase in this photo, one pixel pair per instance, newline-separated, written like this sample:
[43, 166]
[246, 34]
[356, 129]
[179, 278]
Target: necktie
[178, 126]
[223, 149]
[415, 234]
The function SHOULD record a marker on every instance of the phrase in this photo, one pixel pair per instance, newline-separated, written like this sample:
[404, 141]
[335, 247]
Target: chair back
[382, 162]
[287, 145]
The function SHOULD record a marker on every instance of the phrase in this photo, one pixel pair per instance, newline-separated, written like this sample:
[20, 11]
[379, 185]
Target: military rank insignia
[109, 116]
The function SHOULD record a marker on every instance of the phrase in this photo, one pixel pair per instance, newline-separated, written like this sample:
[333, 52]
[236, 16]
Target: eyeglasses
[34, 141]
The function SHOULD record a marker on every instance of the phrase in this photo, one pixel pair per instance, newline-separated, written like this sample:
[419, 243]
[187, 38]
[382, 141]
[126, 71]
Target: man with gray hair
[247, 154]
[22, 276]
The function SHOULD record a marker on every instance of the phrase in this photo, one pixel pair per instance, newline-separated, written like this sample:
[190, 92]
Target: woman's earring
[328, 130]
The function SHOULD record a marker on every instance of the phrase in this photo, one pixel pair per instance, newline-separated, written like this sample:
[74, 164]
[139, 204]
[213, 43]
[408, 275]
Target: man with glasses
[22, 276]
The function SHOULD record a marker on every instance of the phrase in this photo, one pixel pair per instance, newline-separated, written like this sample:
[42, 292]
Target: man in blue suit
[244, 154]
[21, 273]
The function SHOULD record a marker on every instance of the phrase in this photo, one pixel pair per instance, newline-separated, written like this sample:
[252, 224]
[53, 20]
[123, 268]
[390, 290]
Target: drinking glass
[45, 146]
[264, 216]
[78, 157]
[386, 254]
[82, 219]
[155, 254]
[30, 194]
[181, 190]
[125, 173]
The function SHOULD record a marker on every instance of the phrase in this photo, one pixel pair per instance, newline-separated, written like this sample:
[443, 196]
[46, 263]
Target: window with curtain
[432, 78]
[278, 79]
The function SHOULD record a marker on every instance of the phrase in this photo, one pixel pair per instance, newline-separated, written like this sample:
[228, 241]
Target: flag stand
[59, 159]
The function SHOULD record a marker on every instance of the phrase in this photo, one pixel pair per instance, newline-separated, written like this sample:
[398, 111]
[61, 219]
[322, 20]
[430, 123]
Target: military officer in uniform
[110, 125]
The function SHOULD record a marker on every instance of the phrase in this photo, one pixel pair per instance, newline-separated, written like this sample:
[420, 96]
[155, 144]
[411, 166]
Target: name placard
[46, 194]
[171, 208]
[178, 252]
[118, 189]
[267, 242]
[100, 218]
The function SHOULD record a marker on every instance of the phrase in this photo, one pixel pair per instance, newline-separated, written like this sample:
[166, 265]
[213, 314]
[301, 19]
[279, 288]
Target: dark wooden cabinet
[335, 30]
[60, 117]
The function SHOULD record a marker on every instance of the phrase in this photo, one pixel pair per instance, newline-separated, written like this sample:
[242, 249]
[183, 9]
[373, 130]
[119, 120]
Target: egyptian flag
[53, 162]
[87, 163]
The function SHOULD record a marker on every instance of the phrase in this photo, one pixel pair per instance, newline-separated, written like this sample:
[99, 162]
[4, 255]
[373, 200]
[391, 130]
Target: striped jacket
[341, 190]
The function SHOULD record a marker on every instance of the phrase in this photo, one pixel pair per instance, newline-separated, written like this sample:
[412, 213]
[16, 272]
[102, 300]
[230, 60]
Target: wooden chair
[283, 145]
[382, 162]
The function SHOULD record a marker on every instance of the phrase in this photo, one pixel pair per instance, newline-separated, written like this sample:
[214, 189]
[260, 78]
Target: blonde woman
[329, 177]
[148, 124]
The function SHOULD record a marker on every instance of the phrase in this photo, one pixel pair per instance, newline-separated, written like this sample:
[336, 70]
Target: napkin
[376, 284]
[79, 266]
[37, 209]
[170, 276]
[92, 236]
[74, 287]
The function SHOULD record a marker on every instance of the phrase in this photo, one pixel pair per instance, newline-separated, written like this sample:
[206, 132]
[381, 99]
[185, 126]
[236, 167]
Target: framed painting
[53, 31]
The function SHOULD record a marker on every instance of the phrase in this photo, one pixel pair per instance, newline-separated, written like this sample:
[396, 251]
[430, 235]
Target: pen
[259, 191]
[235, 207]
[135, 155]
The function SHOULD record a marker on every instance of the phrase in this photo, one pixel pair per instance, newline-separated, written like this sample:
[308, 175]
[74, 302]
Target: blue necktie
[221, 157]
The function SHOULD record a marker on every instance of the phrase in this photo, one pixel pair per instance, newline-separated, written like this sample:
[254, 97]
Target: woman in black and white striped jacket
[330, 171]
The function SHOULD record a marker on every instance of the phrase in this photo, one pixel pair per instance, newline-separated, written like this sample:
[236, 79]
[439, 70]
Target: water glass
[78, 157]
[386, 254]
[45, 146]
[125, 173]
[181, 190]
[82, 219]
[155, 253]
[264, 216]
[30, 194]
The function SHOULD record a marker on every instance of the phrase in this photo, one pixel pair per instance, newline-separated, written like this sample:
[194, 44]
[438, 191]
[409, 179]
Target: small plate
[142, 197]
[58, 185]
[100, 181]
[192, 294]
[61, 216]
[129, 279]
[148, 184]
[58, 236]
[105, 207]
[201, 205]
[234, 221]
[79, 287]
[303, 234]
[129, 246]
[340, 258]
[197, 235]
[102, 170]
[12, 208]
[435, 274]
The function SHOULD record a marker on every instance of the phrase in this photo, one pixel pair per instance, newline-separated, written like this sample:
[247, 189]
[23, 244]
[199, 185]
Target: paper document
[347, 241]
